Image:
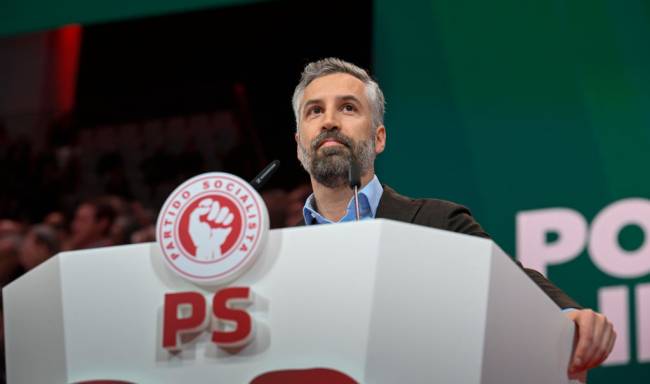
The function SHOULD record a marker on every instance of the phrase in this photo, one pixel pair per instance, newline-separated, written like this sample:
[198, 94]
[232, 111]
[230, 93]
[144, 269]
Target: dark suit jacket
[449, 216]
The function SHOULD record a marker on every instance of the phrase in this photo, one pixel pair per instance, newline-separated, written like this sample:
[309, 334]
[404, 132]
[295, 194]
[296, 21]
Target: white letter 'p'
[532, 226]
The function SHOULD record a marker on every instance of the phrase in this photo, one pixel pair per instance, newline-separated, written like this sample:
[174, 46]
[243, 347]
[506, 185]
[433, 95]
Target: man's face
[335, 127]
[32, 252]
[85, 226]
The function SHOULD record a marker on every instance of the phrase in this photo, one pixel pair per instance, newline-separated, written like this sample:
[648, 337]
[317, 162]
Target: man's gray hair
[47, 236]
[334, 65]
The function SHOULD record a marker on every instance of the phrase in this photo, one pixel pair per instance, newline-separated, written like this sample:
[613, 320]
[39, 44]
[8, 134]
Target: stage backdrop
[536, 115]
[20, 16]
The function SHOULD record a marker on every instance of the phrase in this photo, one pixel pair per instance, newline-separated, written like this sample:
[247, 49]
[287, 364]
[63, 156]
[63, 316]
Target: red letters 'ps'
[243, 322]
[174, 325]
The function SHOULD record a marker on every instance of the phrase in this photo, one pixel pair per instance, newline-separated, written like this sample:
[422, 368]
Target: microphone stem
[356, 202]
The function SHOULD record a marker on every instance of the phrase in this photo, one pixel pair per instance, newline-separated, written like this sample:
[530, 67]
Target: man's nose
[330, 121]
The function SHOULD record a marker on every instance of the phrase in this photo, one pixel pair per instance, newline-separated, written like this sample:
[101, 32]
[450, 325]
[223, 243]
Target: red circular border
[181, 188]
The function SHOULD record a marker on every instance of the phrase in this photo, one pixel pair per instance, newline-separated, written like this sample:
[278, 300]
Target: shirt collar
[369, 197]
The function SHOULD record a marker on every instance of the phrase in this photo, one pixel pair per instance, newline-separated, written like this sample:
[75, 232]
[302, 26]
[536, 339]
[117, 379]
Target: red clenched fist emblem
[210, 225]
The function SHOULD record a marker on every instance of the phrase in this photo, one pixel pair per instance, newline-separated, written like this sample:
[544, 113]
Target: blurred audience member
[122, 229]
[10, 268]
[144, 235]
[285, 208]
[41, 242]
[59, 223]
[11, 227]
[56, 220]
[143, 216]
[295, 202]
[92, 224]
[276, 203]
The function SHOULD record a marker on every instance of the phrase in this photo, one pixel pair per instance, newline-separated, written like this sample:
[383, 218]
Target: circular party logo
[212, 227]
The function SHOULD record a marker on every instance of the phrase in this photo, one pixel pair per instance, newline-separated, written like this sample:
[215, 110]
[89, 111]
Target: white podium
[381, 301]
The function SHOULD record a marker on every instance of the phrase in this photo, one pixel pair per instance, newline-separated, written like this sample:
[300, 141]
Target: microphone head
[264, 176]
[354, 174]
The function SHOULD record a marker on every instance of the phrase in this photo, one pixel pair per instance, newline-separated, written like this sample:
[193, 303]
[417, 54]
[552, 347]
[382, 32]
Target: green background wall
[507, 106]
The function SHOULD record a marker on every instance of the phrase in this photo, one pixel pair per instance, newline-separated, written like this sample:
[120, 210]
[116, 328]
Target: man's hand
[594, 341]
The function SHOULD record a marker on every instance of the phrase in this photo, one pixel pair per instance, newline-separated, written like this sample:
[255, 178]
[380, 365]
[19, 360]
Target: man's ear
[380, 139]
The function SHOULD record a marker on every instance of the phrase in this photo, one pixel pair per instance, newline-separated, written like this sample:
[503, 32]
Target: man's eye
[349, 108]
[314, 110]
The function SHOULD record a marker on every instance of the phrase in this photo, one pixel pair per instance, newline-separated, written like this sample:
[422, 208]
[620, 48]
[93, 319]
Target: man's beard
[330, 165]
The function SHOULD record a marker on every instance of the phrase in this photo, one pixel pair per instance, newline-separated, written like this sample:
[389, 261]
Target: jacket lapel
[394, 206]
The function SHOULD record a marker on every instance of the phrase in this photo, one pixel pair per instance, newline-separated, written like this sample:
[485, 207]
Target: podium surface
[378, 300]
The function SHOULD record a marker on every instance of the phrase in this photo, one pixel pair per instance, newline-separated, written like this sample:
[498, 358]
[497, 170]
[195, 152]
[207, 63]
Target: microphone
[354, 180]
[264, 176]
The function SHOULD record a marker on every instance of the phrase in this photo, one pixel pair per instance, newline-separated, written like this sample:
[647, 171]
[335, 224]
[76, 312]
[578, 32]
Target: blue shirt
[368, 201]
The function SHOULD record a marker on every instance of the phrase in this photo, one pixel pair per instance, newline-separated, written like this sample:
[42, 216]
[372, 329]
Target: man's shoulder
[429, 205]
[431, 212]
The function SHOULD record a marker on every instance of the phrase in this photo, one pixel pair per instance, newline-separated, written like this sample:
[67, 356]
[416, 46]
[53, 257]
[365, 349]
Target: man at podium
[339, 112]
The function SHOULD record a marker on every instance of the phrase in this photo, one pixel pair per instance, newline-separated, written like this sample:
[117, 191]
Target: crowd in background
[45, 207]
[106, 221]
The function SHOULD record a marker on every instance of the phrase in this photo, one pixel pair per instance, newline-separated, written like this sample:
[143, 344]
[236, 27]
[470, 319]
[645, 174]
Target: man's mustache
[331, 135]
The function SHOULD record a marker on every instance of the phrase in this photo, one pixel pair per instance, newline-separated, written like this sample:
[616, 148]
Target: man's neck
[332, 203]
